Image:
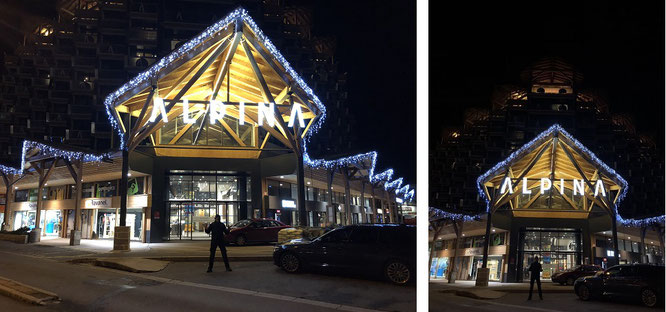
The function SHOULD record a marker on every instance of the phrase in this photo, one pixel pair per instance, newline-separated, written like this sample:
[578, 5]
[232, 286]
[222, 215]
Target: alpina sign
[546, 184]
[217, 110]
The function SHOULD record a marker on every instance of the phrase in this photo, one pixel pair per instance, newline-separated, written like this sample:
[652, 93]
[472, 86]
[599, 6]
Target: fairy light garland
[501, 167]
[239, 15]
[438, 214]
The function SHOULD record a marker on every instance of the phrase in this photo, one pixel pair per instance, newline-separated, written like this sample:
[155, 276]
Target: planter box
[16, 238]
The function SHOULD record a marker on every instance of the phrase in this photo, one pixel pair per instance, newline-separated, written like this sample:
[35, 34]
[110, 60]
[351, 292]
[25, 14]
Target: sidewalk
[58, 248]
[494, 290]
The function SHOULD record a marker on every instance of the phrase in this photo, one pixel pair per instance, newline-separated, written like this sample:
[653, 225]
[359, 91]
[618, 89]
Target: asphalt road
[517, 302]
[252, 286]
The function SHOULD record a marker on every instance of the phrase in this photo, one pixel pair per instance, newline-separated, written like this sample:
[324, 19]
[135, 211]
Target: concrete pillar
[483, 273]
[121, 236]
[363, 212]
[75, 236]
[332, 213]
[615, 249]
[300, 186]
[347, 214]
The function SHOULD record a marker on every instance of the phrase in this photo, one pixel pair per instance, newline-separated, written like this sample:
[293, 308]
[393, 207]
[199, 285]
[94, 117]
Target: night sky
[618, 47]
[377, 47]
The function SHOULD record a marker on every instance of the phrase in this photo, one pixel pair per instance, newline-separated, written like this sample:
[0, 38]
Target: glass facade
[557, 249]
[195, 197]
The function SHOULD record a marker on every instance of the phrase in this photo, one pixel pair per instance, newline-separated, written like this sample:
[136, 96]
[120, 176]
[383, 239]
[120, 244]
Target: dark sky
[619, 48]
[377, 47]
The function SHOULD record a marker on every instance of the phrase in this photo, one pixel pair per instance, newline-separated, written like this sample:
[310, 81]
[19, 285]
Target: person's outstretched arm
[208, 229]
[226, 229]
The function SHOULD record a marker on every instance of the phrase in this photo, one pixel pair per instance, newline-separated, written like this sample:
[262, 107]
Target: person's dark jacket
[217, 230]
[535, 269]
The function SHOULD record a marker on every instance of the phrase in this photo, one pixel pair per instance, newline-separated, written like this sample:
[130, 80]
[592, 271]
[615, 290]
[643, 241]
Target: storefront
[551, 196]
[558, 250]
[195, 197]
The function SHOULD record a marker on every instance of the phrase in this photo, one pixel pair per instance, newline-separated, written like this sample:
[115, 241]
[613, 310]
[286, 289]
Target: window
[363, 235]
[273, 188]
[337, 236]
[497, 239]
[21, 195]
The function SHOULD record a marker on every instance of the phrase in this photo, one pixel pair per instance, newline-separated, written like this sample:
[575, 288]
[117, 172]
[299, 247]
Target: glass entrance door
[204, 214]
[189, 220]
[557, 249]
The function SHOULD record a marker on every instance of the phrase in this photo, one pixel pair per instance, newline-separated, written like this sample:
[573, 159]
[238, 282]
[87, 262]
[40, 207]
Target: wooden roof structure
[557, 156]
[232, 61]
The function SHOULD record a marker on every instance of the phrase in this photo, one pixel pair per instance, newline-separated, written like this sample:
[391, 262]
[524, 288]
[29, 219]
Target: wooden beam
[231, 132]
[210, 59]
[269, 61]
[533, 161]
[224, 68]
[184, 129]
[139, 119]
[268, 97]
[580, 171]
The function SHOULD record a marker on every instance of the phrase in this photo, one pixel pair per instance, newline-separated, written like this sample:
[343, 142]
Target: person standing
[217, 230]
[535, 270]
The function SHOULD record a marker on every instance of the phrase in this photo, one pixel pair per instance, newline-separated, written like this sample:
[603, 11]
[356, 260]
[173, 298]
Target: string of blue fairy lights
[555, 128]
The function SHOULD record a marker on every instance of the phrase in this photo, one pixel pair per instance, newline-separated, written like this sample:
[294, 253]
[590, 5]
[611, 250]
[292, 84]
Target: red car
[255, 231]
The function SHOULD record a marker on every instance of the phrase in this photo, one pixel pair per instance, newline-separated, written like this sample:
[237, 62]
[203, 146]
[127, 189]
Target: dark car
[570, 276]
[255, 231]
[644, 282]
[387, 250]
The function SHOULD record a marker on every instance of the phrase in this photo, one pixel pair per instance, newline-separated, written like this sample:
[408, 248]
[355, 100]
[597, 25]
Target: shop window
[204, 188]
[439, 245]
[21, 195]
[273, 188]
[227, 188]
[479, 241]
[466, 242]
[497, 239]
[105, 189]
[135, 186]
[180, 187]
[285, 190]
[88, 190]
[294, 191]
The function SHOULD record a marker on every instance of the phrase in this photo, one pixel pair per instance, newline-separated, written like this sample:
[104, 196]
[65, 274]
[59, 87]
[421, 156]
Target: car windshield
[242, 223]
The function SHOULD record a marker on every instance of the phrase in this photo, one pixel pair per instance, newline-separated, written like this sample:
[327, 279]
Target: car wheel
[570, 281]
[397, 272]
[584, 293]
[290, 263]
[649, 297]
[241, 240]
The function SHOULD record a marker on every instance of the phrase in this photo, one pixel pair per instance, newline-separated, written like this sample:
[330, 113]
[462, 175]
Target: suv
[387, 250]
[632, 281]
[570, 276]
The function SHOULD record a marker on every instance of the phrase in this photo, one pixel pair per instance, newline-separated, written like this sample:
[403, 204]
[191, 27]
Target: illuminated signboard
[217, 110]
[288, 203]
[546, 184]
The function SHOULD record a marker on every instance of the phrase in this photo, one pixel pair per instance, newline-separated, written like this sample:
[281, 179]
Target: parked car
[644, 282]
[568, 277]
[387, 250]
[255, 231]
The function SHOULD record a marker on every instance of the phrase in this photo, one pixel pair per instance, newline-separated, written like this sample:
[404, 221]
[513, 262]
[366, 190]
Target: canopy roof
[557, 156]
[231, 61]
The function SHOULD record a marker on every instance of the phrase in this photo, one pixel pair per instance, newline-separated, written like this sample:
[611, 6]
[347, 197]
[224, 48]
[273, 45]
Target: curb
[513, 291]
[25, 297]
[180, 259]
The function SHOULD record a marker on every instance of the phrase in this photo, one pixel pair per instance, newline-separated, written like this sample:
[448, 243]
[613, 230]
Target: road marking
[515, 306]
[246, 292]
[240, 291]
